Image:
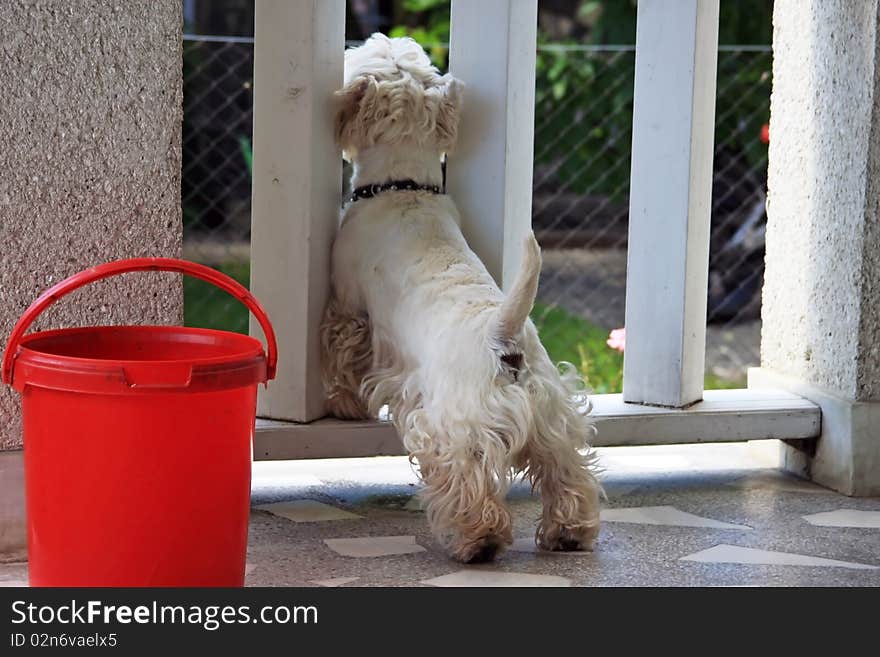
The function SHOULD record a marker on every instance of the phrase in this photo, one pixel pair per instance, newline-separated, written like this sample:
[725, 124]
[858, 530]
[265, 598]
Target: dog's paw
[568, 539]
[482, 550]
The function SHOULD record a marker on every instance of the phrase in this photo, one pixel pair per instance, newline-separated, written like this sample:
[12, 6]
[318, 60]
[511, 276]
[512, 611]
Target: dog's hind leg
[464, 489]
[561, 466]
[346, 358]
[464, 511]
[570, 496]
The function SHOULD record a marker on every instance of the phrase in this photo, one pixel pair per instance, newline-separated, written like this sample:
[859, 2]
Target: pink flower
[617, 339]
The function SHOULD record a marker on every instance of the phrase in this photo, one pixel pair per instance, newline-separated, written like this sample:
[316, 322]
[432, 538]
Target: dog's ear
[448, 112]
[348, 100]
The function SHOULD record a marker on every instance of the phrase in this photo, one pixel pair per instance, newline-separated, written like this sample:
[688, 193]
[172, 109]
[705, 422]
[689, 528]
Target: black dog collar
[370, 191]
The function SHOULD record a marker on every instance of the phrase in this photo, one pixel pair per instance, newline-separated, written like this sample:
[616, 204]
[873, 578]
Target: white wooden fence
[297, 184]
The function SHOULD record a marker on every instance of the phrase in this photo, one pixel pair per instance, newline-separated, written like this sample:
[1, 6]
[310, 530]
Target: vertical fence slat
[670, 201]
[297, 177]
[492, 50]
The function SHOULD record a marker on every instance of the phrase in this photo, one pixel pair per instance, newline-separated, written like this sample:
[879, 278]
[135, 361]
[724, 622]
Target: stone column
[821, 312]
[90, 128]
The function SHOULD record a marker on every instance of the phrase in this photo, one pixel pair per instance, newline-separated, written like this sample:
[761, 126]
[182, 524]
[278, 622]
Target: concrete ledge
[13, 533]
[722, 416]
[327, 438]
[847, 453]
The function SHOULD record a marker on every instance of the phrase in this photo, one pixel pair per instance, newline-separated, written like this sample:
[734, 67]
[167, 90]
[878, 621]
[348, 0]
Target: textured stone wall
[90, 128]
[822, 288]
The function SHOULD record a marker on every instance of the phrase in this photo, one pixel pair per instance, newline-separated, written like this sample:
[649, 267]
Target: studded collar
[407, 185]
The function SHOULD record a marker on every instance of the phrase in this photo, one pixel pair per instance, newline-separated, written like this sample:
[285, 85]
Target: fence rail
[583, 132]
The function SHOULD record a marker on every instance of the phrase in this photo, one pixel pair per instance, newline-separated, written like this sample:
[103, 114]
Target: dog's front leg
[346, 358]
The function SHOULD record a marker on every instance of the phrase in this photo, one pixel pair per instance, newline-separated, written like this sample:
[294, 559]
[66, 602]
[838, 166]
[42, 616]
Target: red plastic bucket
[138, 442]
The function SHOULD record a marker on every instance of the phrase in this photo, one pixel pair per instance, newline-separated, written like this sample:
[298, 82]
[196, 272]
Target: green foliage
[583, 117]
[583, 99]
[247, 153]
[426, 21]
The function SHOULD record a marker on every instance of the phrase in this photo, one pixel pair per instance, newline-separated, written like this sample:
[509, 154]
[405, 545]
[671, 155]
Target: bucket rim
[236, 357]
[245, 364]
[109, 269]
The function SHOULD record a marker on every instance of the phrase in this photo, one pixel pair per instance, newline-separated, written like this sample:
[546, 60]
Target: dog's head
[393, 95]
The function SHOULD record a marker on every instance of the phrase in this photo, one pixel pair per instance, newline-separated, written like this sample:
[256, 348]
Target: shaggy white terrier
[416, 322]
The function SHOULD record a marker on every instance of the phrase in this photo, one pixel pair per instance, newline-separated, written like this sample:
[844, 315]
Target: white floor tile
[845, 518]
[249, 568]
[528, 544]
[336, 581]
[307, 511]
[493, 578]
[743, 555]
[18, 583]
[664, 515]
[374, 546]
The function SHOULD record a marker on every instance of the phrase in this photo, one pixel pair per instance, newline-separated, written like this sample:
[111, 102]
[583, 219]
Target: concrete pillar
[821, 312]
[90, 127]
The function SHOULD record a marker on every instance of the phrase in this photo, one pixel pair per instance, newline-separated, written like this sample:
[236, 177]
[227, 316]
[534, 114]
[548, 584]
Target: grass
[566, 337]
[205, 306]
[715, 382]
[570, 338]
[573, 339]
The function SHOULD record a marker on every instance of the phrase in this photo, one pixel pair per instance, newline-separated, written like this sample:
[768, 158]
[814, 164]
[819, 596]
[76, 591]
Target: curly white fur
[416, 322]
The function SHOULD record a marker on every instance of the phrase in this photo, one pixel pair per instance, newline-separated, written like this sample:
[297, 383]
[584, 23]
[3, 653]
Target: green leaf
[587, 9]
[247, 152]
[557, 68]
[559, 89]
[416, 6]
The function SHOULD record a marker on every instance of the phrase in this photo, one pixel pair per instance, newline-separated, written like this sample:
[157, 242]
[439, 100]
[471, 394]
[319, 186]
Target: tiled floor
[701, 515]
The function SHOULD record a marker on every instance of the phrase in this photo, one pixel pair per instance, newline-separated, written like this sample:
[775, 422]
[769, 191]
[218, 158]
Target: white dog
[416, 322]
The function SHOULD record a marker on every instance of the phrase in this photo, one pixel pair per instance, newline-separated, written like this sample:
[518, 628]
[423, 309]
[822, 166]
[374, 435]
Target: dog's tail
[519, 301]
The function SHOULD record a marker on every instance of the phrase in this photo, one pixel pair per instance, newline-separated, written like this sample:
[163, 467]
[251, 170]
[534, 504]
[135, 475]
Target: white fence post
[670, 201]
[492, 50]
[297, 180]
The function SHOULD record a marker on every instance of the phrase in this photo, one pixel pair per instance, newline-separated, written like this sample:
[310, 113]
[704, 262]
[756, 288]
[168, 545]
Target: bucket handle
[100, 272]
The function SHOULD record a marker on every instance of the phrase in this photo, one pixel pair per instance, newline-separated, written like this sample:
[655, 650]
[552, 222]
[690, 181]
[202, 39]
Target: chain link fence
[216, 187]
[583, 131]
